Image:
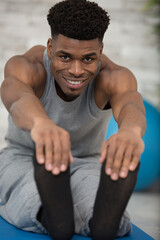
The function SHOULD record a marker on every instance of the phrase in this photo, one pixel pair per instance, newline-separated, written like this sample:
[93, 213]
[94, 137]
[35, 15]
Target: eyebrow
[70, 55]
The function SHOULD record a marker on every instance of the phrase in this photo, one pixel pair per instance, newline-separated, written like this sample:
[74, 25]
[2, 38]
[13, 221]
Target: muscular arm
[20, 92]
[123, 150]
[127, 104]
[18, 95]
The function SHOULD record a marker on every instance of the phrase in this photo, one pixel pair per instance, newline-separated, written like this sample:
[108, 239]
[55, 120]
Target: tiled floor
[18, 31]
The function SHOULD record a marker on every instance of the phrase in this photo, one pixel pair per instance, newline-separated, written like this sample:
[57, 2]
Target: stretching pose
[58, 175]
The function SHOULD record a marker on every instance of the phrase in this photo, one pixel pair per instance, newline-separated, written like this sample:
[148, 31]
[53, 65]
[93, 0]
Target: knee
[103, 233]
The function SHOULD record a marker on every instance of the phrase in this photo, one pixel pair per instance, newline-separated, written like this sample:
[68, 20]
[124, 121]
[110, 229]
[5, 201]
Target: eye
[87, 59]
[65, 57]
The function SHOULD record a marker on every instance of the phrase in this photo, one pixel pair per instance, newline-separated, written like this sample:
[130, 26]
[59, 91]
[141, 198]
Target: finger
[111, 150]
[40, 152]
[135, 160]
[103, 152]
[136, 156]
[117, 162]
[57, 155]
[48, 154]
[65, 154]
[126, 161]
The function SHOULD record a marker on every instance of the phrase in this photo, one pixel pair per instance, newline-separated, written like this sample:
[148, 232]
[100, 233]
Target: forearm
[26, 110]
[133, 118]
[28, 114]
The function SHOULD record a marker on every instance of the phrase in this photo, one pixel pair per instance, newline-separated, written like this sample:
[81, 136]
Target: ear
[49, 48]
[101, 48]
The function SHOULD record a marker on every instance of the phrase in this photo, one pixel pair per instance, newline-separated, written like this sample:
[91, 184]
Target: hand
[122, 152]
[52, 145]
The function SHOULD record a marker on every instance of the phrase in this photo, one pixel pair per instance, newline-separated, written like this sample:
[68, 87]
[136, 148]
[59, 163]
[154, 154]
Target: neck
[61, 94]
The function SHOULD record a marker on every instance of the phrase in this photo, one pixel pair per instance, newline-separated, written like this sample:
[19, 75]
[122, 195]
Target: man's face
[74, 63]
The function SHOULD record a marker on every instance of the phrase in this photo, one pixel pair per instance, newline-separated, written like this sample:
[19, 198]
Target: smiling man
[58, 174]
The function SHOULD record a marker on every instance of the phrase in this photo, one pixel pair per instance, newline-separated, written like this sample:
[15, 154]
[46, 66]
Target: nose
[76, 68]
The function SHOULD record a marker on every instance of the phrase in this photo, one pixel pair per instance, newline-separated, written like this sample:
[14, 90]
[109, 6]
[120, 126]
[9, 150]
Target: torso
[80, 117]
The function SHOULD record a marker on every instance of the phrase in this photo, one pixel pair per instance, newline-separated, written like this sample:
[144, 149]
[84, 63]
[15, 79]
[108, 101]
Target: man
[56, 175]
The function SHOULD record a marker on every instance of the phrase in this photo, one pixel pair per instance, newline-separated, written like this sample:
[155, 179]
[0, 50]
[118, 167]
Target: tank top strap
[49, 82]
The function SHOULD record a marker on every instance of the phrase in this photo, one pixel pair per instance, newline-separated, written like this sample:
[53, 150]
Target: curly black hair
[78, 19]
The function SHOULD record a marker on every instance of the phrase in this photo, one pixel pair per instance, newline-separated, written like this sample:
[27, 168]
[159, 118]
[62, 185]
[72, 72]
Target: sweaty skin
[74, 63]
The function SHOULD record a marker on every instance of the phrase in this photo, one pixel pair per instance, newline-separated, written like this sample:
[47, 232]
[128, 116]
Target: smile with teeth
[73, 82]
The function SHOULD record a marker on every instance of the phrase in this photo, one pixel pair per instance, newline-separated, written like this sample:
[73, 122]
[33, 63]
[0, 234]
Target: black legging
[56, 214]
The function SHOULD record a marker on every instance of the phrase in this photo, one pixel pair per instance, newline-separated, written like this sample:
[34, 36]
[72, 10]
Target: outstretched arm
[20, 93]
[123, 149]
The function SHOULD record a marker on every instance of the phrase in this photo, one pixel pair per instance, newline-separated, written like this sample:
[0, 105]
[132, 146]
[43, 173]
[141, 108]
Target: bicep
[125, 93]
[19, 67]
[12, 90]
[19, 79]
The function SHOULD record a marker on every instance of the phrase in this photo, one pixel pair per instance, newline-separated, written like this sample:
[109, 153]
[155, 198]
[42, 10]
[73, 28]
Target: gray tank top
[85, 122]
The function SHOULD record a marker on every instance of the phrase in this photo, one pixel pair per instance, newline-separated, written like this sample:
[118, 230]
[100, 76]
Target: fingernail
[131, 167]
[56, 170]
[114, 176]
[49, 166]
[109, 170]
[41, 160]
[123, 174]
[63, 167]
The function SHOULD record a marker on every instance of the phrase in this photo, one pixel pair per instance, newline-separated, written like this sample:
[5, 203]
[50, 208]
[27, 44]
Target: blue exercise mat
[9, 232]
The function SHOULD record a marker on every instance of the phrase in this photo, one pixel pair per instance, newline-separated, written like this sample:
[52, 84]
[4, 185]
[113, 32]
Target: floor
[144, 207]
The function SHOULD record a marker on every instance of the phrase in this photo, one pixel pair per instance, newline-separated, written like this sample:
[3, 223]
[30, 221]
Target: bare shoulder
[116, 79]
[28, 67]
[122, 80]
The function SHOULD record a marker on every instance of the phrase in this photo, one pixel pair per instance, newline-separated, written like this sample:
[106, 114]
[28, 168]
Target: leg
[111, 200]
[18, 192]
[56, 214]
[85, 174]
